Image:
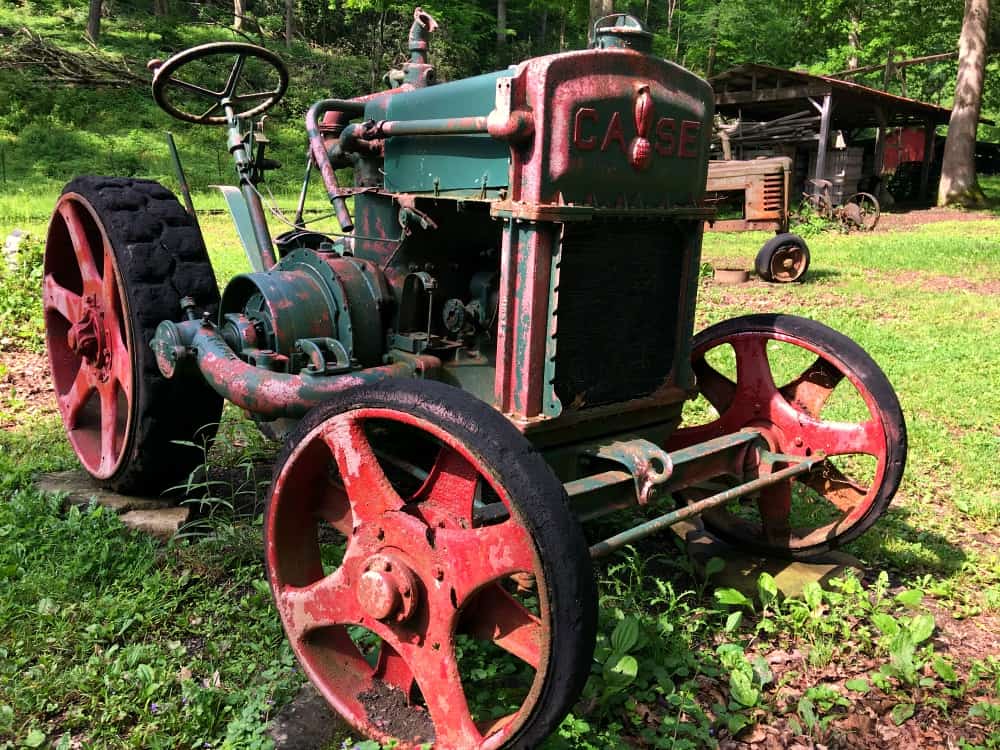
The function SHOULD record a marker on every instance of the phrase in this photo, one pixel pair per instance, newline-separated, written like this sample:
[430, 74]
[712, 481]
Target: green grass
[99, 628]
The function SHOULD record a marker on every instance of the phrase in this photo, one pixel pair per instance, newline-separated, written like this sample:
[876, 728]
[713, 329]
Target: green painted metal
[665, 521]
[444, 163]
[244, 225]
[604, 492]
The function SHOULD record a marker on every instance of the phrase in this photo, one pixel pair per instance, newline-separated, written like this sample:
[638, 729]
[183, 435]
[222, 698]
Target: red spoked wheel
[427, 569]
[807, 389]
[118, 257]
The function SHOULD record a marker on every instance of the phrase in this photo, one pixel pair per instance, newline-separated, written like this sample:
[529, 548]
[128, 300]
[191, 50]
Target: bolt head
[378, 595]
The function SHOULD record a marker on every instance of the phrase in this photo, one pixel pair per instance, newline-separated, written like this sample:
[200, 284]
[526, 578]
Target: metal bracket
[649, 465]
[318, 350]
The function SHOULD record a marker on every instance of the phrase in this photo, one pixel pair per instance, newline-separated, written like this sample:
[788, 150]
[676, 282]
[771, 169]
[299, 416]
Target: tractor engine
[565, 189]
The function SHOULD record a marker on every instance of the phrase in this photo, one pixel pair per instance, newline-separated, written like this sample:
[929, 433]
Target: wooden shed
[791, 112]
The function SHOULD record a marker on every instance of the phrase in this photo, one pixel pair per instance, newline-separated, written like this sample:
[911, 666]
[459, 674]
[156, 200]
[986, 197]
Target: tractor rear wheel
[120, 255]
[429, 574]
[807, 389]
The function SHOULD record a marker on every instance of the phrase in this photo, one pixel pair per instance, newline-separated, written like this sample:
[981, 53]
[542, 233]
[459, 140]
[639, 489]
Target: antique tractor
[493, 347]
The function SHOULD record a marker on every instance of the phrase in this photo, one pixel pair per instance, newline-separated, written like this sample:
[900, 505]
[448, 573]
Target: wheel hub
[87, 337]
[387, 590]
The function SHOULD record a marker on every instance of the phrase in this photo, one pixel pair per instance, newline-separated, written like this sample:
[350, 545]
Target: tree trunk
[94, 20]
[239, 10]
[710, 68]
[502, 32]
[289, 22]
[854, 36]
[160, 8]
[958, 172]
[599, 9]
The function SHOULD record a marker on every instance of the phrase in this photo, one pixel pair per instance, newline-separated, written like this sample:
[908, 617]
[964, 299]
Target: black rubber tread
[542, 506]
[841, 349]
[762, 263]
[161, 257]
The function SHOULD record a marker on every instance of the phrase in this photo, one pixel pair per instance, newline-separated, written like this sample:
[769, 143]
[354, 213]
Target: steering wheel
[167, 85]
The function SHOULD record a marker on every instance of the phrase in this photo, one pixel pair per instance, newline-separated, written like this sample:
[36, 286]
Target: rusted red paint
[526, 257]
[91, 361]
[427, 543]
[274, 394]
[789, 420]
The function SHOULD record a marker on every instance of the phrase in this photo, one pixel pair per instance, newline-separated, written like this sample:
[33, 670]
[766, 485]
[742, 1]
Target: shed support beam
[824, 138]
[883, 120]
[925, 167]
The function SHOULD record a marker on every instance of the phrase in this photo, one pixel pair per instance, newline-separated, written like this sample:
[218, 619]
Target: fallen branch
[31, 52]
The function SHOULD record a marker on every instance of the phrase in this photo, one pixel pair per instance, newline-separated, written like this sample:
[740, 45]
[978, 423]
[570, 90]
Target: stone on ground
[157, 516]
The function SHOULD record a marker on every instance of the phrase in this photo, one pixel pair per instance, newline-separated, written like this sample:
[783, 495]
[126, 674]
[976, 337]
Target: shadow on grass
[895, 544]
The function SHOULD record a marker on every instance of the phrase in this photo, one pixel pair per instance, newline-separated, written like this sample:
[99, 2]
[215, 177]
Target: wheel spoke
[714, 386]
[334, 508]
[195, 89]
[109, 429]
[121, 361]
[329, 601]
[810, 390]
[77, 396]
[437, 674]
[368, 489]
[234, 76]
[392, 669]
[68, 304]
[209, 111]
[754, 381]
[483, 555]
[81, 245]
[839, 438]
[497, 616]
[775, 506]
[830, 482]
[451, 485]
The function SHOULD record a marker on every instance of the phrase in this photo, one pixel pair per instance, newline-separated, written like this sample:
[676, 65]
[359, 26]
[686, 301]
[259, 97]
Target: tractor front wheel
[429, 574]
[808, 390]
[120, 255]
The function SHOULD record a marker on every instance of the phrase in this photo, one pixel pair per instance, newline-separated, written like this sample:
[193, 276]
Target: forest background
[71, 105]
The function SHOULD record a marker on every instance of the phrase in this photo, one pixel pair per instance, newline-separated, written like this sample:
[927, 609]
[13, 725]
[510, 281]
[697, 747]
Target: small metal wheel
[245, 77]
[783, 259]
[861, 211]
[429, 574]
[117, 252]
[833, 399]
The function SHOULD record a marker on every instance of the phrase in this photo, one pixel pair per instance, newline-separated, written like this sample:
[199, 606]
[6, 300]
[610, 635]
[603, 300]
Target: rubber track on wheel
[162, 257]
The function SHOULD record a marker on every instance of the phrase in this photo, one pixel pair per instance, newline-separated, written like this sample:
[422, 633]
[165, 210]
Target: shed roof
[762, 92]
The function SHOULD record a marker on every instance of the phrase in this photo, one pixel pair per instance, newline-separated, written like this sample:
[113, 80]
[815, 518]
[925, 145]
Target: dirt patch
[388, 709]
[937, 283]
[907, 219]
[25, 387]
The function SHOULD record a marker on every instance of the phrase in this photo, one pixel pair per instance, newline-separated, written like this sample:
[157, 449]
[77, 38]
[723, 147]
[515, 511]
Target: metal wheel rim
[788, 263]
[788, 412]
[327, 659]
[88, 339]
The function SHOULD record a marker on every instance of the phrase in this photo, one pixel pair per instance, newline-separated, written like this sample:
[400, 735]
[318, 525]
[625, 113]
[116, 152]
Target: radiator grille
[774, 188]
[616, 315]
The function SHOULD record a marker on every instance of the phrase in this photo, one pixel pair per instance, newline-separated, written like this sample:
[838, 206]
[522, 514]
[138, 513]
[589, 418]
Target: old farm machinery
[494, 347]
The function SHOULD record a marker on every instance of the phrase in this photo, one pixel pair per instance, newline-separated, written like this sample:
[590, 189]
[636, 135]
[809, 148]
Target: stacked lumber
[801, 126]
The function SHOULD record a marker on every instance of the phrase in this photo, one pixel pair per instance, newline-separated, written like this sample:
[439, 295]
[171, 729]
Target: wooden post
[824, 138]
[925, 167]
[883, 120]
